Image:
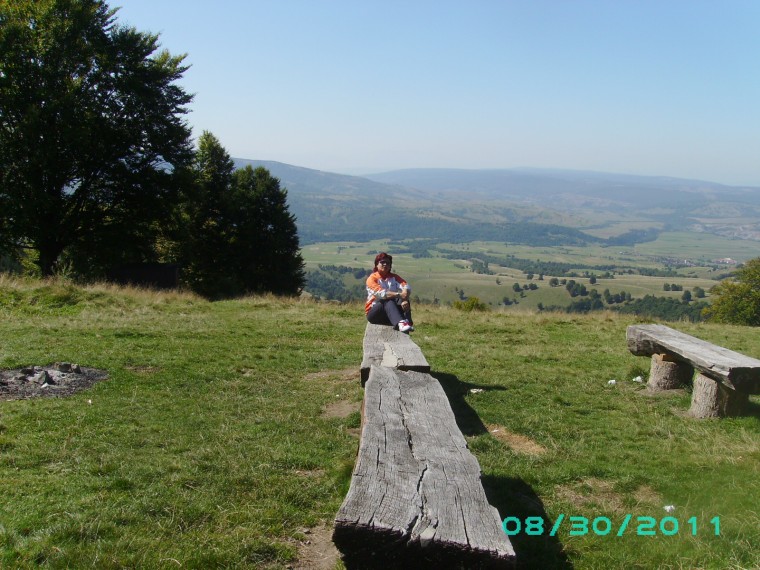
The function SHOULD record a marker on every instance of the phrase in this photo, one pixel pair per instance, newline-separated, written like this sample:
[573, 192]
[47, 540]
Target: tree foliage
[738, 301]
[267, 249]
[471, 304]
[91, 131]
[240, 236]
[664, 308]
[328, 283]
[205, 229]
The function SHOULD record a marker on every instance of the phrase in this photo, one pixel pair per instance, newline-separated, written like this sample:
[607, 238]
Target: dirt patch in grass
[645, 495]
[517, 442]
[592, 491]
[655, 393]
[600, 494]
[317, 551]
[57, 380]
[345, 375]
[340, 409]
[309, 473]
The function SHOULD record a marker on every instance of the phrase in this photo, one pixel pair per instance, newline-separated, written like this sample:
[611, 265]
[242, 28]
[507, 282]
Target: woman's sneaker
[404, 326]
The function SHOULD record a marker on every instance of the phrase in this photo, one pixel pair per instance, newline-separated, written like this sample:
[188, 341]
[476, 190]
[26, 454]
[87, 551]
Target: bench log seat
[416, 498]
[724, 379]
[385, 346]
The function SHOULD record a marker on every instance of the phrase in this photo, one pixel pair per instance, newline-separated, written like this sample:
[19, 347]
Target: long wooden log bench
[724, 380]
[416, 497]
[385, 346]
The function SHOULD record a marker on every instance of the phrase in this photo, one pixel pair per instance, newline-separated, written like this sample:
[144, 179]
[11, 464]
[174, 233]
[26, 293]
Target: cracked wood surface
[385, 346]
[416, 486]
[733, 369]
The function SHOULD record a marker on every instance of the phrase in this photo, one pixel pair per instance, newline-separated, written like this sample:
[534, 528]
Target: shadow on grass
[467, 420]
[511, 497]
[515, 498]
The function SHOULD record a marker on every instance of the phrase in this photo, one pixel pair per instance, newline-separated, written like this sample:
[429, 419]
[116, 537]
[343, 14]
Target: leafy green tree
[471, 304]
[239, 234]
[266, 251]
[91, 129]
[738, 301]
[204, 250]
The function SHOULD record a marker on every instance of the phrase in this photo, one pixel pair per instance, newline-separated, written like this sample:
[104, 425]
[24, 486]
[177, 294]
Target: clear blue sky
[653, 87]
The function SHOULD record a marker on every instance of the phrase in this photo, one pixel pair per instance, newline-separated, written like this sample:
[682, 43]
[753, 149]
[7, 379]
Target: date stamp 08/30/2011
[603, 526]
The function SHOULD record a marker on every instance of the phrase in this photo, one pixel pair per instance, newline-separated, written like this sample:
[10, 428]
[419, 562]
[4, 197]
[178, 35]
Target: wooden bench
[416, 497]
[385, 346]
[724, 380]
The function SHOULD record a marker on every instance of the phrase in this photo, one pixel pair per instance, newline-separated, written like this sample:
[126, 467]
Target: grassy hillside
[226, 433]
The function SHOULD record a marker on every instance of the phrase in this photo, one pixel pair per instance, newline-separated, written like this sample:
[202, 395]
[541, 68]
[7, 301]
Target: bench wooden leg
[711, 399]
[668, 374]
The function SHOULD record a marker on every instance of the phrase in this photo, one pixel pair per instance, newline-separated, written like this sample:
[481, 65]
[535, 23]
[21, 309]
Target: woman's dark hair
[382, 255]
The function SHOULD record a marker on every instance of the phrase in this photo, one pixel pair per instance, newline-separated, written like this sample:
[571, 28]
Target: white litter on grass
[638, 379]
[476, 391]
[89, 402]
[611, 382]
[669, 508]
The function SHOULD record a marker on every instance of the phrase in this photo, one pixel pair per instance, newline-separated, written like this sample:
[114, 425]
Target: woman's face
[384, 267]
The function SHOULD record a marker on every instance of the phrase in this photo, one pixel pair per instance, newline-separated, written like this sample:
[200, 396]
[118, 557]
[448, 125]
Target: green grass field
[226, 433]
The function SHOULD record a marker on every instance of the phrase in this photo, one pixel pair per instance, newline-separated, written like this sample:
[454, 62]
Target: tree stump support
[711, 399]
[667, 373]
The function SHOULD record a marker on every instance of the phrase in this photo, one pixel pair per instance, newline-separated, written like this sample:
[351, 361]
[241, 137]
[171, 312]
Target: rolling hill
[518, 205]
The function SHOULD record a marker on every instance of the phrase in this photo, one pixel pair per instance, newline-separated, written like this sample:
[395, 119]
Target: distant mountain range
[544, 186]
[497, 204]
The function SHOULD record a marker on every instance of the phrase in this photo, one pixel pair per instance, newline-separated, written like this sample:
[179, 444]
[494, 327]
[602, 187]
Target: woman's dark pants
[388, 312]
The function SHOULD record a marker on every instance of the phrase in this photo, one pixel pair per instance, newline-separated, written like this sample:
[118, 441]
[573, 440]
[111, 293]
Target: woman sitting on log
[388, 296]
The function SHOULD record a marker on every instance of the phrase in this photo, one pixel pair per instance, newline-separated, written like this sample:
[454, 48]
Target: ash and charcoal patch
[55, 381]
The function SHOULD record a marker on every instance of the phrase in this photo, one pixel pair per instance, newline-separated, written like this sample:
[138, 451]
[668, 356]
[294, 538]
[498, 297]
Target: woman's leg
[376, 314]
[385, 313]
[393, 312]
[407, 315]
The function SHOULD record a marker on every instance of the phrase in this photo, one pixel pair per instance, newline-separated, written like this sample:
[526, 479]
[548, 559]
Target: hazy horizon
[365, 173]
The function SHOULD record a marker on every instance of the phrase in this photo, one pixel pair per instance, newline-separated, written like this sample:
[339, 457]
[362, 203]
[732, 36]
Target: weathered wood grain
[667, 374]
[733, 369]
[385, 346]
[416, 492]
[710, 399]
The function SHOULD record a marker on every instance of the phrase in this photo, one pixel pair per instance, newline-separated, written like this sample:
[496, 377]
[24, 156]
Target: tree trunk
[667, 374]
[47, 259]
[711, 399]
